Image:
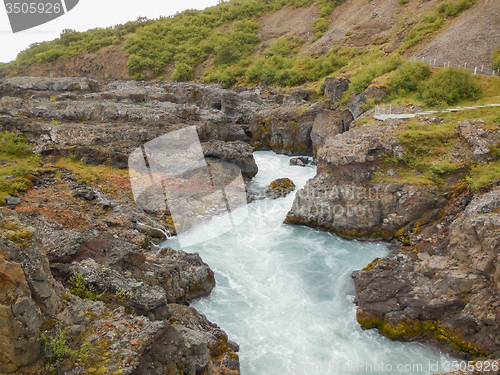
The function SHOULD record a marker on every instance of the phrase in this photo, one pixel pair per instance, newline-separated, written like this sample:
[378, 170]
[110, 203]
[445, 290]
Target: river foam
[285, 295]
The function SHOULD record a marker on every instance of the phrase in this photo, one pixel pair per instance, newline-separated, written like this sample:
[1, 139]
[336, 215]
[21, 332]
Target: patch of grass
[122, 294]
[452, 9]
[484, 175]
[13, 144]
[20, 165]
[425, 159]
[495, 59]
[88, 174]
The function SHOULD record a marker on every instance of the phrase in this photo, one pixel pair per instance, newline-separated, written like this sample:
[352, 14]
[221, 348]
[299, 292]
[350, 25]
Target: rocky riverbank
[103, 277]
[108, 299]
[440, 283]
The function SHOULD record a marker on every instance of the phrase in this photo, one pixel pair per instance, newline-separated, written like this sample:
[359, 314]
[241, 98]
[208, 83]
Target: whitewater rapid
[285, 295]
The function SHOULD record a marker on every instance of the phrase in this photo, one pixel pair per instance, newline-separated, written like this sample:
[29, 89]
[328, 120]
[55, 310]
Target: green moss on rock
[282, 184]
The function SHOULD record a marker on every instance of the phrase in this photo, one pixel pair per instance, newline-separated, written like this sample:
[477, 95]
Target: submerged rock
[301, 161]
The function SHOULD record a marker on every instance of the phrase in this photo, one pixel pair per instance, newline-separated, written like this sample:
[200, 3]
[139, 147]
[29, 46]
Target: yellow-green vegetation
[282, 184]
[426, 159]
[122, 294]
[15, 233]
[429, 24]
[86, 173]
[483, 175]
[454, 8]
[495, 59]
[408, 77]
[450, 86]
[72, 43]
[227, 32]
[405, 330]
[19, 165]
[433, 21]
[427, 147]
[59, 349]
[222, 37]
[362, 78]
[82, 288]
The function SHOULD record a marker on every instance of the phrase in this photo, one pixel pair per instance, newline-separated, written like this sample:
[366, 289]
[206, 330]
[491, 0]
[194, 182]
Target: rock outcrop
[343, 198]
[279, 188]
[101, 336]
[446, 293]
[103, 122]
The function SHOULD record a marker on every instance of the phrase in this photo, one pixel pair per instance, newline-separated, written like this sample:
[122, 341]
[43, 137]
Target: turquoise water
[284, 293]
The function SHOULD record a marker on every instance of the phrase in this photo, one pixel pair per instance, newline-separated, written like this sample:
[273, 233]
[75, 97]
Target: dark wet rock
[446, 293]
[328, 124]
[334, 88]
[374, 92]
[302, 161]
[22, 86]
[168, 338]
[343, 199]
[356, 103]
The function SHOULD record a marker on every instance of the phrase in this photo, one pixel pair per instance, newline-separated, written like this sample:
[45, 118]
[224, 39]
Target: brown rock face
[27, 293]
[328, 124]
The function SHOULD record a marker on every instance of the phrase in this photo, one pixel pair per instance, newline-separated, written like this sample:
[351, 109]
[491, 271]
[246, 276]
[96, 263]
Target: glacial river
[284, 293]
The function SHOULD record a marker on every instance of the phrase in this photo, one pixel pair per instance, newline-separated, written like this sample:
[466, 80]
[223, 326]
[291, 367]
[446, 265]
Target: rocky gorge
[79, 258]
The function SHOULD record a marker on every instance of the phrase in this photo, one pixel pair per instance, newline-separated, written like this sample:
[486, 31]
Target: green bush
[403, 2]
[320, 25]
[82, 288]
[363, 77]
[285, 46]
[13, 144]
[327, 7]
[449, 86]
[182, 72]
[60, 350]
[408, 77]
[451, 9]
[495, 59]
[236, 44]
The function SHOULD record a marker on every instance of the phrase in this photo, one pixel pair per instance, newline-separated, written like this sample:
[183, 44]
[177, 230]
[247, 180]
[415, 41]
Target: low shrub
[450, 86]
[363, 77]
[495, 59]
[408, 77]
[13, 144]
[451, 9]
[182, 72]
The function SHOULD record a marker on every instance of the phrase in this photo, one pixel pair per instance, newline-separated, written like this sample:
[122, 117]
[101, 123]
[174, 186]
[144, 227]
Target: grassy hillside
[232, 43]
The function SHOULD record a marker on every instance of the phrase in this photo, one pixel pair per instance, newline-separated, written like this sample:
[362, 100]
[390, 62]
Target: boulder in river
[279, 188]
